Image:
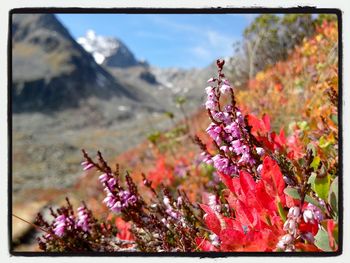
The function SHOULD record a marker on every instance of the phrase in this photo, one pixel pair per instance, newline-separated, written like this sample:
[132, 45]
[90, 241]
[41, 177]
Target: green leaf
[322, 186]
[154, 137]
[312, 180]
[334, 118]
[315, 162]
[303, 125]
[292, 192]
[323, 143]
[311, 147]
[333, 195]
[180, 100]
[322, 240]
[281, 211]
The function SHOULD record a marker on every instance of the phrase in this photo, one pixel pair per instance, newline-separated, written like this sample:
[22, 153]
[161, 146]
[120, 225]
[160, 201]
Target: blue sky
[175, 40]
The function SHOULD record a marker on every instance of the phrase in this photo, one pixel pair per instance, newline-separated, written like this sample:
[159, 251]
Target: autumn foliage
[263, 177]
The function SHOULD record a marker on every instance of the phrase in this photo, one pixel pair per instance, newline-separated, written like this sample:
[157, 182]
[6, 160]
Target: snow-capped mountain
[109, 51]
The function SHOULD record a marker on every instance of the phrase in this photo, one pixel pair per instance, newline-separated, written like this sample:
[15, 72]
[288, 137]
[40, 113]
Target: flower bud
[260, 151]
[294, 212]
[308, 216]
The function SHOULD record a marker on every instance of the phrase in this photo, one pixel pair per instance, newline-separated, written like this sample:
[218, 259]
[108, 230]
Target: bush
[264, 191]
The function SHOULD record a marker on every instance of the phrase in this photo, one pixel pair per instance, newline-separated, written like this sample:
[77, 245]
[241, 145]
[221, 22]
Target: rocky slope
[53, 72]
[65, 98]
[109, 51]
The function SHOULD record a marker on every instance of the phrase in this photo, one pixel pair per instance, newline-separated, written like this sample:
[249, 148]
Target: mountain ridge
[54, 71]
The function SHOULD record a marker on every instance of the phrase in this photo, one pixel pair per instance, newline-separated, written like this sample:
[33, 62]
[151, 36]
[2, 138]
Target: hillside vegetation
[260, 174]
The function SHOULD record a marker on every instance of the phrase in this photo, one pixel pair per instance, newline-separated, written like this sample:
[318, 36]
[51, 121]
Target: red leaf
[264, 199]
[247, 182]
[306, 247]
[244, 214]
[330, 228]
[204, 244]
[259, 126]
[231, 240]
[280, 140]
[232, 224]
[273, 180]
[124, 229]
[227, 181]
[206, 209]
[266, 120]
[308, 227]
[211, 220]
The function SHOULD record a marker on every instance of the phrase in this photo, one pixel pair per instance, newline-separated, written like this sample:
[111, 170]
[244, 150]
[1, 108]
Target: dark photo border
[260, 10]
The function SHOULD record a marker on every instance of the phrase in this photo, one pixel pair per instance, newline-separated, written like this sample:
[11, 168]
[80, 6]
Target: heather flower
[223, 117]
[228, 131]
[259, 168]
[228, 108]
[233, 129]
[290, 226]
[246, 158]
[294, 212]
[225, 87]
[103, 178]
[166, 201]
[214, 132]
[87, 165]
[170, 210]
[211, 105]
[240, 118]
[312, 213]
[211, 80]
[112, 203]
[308, 216]
[179, 201]
[286, 243]
[220, 162]
[215, 241]
[212, 202]
[60, 225]
[209, 90]
[207, 158]
[260, 151]
[83, 218]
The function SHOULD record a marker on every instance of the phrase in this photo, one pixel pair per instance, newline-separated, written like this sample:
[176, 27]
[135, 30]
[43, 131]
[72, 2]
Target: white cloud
[201, 52]
[212, 45]
[204, 44]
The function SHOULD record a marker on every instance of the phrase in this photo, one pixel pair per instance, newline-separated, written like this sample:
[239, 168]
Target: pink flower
[87, 166]
[83, 218]
[209, 90]
[214, 132]
[233, 129]
[260, 151]
[210, 104]
[223, 117]
[60, 225]
[225, 88]
[103, 178]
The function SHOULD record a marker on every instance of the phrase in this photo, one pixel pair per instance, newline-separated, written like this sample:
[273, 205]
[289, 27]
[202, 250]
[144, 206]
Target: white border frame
[344, 6]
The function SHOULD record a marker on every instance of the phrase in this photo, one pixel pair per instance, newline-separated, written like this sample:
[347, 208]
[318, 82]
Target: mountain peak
[51, 71]
[109, 51]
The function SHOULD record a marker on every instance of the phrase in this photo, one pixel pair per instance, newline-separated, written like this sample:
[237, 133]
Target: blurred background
[110, 82]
